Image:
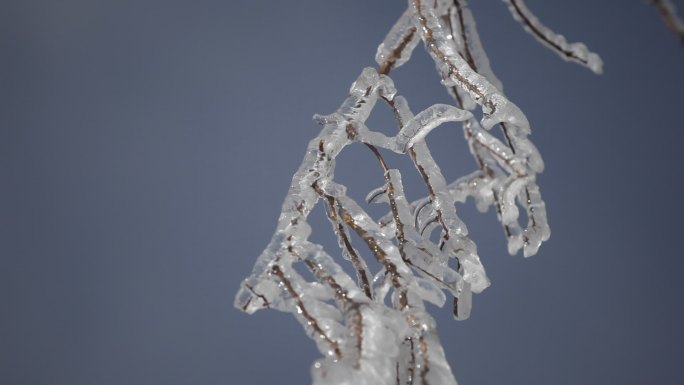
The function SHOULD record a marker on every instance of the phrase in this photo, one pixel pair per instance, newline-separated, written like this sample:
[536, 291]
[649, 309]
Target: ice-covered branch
[374, 329]
[576, 52]
[668, 12]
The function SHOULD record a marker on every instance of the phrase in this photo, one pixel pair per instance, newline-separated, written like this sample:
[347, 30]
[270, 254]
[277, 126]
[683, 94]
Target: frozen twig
[668, 12]
[576, 52]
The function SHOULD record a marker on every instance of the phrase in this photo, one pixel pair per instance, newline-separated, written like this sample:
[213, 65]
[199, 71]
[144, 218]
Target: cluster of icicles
[363, 339]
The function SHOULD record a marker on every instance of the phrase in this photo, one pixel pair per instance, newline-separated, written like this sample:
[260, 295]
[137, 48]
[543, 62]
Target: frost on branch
[373, 328]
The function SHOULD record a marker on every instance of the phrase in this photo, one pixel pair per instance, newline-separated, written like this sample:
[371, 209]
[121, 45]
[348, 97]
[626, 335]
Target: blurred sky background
[146, 147]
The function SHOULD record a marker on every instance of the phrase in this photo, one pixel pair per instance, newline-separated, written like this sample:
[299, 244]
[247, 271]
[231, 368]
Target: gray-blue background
[146, 147]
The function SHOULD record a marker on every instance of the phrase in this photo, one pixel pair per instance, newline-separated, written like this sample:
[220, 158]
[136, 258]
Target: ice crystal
[363, 339]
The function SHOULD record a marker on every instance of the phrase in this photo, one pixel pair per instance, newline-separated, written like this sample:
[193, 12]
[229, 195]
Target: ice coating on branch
[463, 31]
[372, 327]
[397, 47]
[417, 128]
[450, 35]
[576, 52]
[361, 339]
[668, 12]
[456, 71]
